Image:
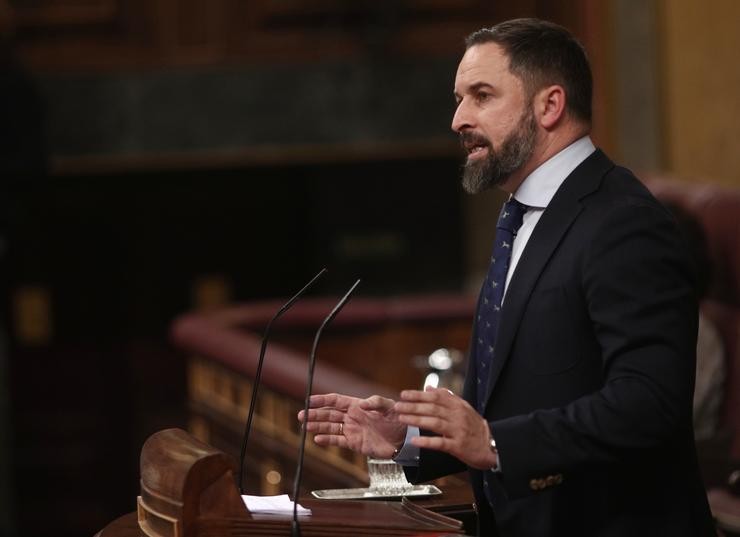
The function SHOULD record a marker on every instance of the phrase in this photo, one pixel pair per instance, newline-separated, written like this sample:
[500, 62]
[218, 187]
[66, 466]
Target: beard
[499, 165]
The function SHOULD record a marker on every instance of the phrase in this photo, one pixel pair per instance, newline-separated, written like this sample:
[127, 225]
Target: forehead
[486, 63]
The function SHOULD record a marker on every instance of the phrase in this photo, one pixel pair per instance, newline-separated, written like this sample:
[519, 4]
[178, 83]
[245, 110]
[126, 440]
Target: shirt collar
[539, 187]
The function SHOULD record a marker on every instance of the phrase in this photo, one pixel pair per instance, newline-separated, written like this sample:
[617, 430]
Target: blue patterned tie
[492, 294]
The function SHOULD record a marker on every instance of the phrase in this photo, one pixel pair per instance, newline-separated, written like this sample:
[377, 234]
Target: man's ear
[550, 105]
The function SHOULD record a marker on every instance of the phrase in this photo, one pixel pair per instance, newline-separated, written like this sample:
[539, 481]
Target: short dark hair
[542, 53]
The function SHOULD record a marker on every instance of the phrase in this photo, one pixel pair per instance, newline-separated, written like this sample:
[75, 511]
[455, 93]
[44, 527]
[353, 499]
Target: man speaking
[576, 414]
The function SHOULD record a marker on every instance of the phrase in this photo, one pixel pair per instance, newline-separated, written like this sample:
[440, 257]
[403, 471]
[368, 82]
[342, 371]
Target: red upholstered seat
[717, 209]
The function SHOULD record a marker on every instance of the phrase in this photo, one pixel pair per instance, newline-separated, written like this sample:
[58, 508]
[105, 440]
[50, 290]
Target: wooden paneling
[107, 34]
[219, 401]
[55, 14]
[339, 28]
[259, 39]
[385, 354]
[114, 34]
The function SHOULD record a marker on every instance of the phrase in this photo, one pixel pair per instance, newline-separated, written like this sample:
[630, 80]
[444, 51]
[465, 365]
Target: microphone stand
[258, 374]
[295, 528]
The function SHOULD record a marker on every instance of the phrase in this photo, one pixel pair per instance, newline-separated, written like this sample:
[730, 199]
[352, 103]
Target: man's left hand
[463, 433]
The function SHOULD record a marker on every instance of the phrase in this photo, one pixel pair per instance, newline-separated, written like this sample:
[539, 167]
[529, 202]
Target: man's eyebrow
[480, 85]
[477, 86]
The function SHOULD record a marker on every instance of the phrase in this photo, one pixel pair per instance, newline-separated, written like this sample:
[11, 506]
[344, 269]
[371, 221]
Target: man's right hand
[369, 426]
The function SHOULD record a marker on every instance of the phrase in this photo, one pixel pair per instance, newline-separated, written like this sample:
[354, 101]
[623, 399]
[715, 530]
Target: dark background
[159, 156]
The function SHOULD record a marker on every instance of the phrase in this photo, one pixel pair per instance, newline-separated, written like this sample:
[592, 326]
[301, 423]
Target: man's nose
[462, 119]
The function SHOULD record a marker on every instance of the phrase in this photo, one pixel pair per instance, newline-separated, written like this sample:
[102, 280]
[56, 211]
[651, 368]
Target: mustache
[469, 138]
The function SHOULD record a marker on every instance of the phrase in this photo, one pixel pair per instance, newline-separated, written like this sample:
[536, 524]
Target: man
[576, 413]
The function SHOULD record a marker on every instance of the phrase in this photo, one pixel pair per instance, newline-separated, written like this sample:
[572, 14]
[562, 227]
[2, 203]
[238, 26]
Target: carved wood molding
[114, 34]
[47, 14]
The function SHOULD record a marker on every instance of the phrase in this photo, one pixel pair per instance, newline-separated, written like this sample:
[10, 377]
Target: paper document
[272, 504]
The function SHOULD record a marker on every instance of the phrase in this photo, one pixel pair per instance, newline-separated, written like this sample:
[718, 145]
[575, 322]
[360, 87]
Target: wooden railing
[367, 350]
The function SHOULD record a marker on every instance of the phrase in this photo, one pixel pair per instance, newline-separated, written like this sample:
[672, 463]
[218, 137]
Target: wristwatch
[492, 446]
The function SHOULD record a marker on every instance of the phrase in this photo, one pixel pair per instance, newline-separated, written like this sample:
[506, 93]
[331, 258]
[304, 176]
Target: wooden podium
[188, 490]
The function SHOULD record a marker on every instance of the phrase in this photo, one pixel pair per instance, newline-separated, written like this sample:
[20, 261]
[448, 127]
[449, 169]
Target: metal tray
[369, 494]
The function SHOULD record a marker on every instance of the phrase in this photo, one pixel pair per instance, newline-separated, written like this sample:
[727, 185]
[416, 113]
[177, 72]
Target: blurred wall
[674, 81]
[700, 77]
[635, 113]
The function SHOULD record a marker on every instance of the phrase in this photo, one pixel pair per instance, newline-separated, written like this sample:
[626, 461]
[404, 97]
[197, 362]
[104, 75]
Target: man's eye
[482, 96]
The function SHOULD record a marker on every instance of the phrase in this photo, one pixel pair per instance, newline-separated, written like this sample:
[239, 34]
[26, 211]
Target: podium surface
[188, 490]
[329, 519]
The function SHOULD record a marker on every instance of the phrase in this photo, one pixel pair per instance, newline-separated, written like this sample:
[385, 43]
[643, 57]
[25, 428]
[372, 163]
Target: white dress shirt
[538, 189]
[536, 192]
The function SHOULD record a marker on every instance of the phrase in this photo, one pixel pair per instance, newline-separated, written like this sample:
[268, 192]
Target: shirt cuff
[408, 455]
[497, 468]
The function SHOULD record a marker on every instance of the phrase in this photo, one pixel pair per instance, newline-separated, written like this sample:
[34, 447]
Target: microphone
[295, 529]
[258, 374]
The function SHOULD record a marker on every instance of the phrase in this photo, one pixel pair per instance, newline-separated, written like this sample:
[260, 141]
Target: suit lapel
[550, 230]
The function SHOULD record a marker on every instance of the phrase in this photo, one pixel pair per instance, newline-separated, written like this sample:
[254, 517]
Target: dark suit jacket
[591, 385]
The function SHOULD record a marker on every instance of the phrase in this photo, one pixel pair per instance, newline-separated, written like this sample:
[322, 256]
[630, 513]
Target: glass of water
[386, 477]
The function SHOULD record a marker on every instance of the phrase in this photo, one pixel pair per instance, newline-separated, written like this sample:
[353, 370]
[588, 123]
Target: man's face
[494, 118]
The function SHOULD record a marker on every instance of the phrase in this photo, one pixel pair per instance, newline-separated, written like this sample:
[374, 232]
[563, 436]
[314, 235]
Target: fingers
[323, 421]
[323, 414]
[334, 400]
[438, 443]
[430, 423]
[470, 446]
[314, 415]
[324, 427]
[377, 403]
[419, 409]
[432, 402]
[429, 416]
[341, 403]
[331, 440]
[435, 409]
[329, 401]
[430, 395]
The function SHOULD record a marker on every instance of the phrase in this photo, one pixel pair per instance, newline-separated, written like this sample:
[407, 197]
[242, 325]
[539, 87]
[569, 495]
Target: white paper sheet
[280, 504]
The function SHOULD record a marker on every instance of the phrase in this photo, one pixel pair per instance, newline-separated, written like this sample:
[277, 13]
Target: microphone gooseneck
[258, 374]
[295, 529]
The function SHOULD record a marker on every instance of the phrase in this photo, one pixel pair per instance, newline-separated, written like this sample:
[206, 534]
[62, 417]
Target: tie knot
[511, 216]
